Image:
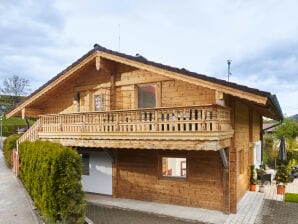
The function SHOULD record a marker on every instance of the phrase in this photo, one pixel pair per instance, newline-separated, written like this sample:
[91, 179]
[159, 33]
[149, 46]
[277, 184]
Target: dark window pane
[85, 160]
[147, 96]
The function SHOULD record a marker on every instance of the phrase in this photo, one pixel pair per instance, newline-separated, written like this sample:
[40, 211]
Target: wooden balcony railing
[31, 134]
[209, 118]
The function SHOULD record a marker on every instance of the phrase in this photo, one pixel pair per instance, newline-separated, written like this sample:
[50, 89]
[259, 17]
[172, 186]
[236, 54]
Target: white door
[98, 179]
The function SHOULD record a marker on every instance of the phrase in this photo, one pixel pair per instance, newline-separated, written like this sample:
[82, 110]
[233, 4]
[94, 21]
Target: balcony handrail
[163, 119]
[141, 109]
[31, 134]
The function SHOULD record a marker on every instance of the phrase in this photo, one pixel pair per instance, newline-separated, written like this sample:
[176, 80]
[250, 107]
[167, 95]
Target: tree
[288, 128]
[15, 86]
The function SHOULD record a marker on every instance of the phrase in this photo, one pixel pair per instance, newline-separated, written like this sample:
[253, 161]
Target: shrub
[52, 175]
[252, 179]
[282, 174]
[8, 145]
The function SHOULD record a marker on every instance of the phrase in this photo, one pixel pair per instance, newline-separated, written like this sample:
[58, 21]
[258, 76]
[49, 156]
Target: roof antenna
[119, 37]
[229, 69]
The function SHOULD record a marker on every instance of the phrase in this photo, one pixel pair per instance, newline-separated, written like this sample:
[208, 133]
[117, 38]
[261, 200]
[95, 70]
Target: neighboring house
[8, 101]
[152, 132]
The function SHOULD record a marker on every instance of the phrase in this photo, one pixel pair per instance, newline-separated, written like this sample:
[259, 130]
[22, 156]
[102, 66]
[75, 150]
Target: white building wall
[99, 179]
[258, 154]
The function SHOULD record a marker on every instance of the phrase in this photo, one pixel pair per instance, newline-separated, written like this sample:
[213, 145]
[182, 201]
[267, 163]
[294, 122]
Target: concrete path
[14, 205]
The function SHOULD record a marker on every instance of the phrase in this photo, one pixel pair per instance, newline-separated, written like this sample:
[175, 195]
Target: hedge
[51, 174]
[8, 145]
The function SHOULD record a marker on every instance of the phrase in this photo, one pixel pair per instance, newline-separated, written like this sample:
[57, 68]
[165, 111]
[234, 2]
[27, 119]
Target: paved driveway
[101, 214]
[278, 212]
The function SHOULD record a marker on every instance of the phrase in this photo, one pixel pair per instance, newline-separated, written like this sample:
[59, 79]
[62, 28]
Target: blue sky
[40, 38]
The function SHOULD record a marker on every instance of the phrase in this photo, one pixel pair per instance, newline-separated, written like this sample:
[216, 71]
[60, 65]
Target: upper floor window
[99, 103]
[147, 96]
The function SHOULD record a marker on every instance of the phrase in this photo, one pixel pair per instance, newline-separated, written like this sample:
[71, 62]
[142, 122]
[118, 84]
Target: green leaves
[8, 145]
[52, 176]
[288, 128]
[282, 174]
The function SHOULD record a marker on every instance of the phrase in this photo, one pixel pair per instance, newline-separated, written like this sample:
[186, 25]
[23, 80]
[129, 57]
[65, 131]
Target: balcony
[194, 128]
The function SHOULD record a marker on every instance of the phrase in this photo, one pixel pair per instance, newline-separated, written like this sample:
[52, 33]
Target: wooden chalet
[152, 132]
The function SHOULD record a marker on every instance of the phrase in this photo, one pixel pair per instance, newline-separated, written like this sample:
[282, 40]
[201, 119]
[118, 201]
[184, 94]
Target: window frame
[175, 178]
[137, 94]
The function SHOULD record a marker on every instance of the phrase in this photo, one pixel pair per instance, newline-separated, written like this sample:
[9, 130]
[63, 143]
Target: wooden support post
[250, 151]
[233, 164]
[226, 191]
[23, 113]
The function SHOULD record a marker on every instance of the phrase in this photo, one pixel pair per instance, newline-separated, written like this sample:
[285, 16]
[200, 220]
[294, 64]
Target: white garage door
[98, 178]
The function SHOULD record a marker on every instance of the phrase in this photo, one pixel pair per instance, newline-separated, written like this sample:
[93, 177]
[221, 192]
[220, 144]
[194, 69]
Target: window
[147, 96]
[174, 167]
[99, 103]
[85, 161]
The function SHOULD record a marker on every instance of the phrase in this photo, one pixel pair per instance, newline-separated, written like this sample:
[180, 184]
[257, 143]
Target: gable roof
[256, 96]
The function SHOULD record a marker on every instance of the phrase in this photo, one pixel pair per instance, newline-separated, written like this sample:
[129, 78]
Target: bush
[52, 175]
[282, 174]
[8, 145]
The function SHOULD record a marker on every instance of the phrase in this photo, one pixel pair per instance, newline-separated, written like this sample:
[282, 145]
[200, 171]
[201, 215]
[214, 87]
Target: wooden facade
[141, 112]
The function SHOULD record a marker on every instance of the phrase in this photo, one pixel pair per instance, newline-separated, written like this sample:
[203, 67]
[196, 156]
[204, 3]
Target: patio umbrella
[282, 154]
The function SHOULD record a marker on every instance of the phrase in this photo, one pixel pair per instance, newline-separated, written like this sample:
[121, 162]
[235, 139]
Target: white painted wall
[257, 154]
[100, 174]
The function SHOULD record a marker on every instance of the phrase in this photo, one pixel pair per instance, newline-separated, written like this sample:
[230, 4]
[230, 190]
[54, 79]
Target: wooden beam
[51, 85]
[23, 113]
[97, 63]
[31, 112]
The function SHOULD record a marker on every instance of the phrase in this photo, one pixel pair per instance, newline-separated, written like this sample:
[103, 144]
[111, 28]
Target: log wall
[91, 82]
[138, 177]
[247, 131]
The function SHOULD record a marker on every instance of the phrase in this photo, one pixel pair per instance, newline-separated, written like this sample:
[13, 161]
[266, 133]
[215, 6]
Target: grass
[10, 126]
[15, 121]
[291, 197]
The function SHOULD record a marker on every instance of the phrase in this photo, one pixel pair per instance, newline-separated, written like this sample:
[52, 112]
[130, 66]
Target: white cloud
[43, 37]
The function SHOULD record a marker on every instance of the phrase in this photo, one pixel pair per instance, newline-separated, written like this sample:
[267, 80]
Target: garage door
[97, 172]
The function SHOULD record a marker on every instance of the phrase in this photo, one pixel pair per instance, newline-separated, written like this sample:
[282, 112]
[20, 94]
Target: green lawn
[291, 197]
[10, 126]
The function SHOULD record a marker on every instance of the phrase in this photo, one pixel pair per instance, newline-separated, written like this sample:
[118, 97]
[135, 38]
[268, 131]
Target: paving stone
[278, 212]
[101, 214]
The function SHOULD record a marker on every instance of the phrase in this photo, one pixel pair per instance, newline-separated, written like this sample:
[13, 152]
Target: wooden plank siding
[90, 82]
[247, 131]
[139, 178]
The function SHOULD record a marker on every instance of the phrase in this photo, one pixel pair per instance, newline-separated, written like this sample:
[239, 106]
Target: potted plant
[281, 177]
[252, 179]
[260, 173]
